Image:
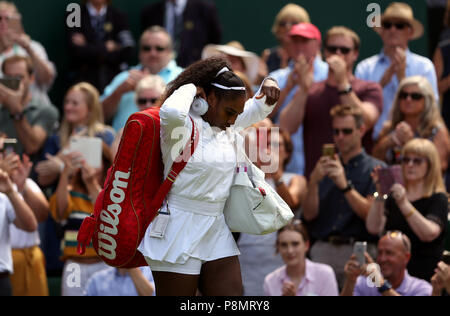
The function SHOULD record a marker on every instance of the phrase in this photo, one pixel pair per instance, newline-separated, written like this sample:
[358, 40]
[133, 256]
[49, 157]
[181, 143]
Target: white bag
[253, 206]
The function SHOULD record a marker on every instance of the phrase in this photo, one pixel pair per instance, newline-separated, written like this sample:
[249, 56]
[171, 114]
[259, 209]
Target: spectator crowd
[362, 149]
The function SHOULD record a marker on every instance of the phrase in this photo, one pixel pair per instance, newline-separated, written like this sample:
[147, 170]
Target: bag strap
[177, 167]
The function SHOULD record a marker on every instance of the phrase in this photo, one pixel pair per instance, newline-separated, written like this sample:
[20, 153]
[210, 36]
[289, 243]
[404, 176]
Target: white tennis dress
[197, 227]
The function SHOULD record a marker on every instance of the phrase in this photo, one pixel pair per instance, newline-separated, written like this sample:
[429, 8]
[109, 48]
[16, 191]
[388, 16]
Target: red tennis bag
[132, 194]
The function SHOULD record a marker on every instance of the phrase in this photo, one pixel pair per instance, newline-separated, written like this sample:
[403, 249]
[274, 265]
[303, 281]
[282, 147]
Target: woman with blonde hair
[414, 114]
[291, 14]
[83, 116]
[418, 208]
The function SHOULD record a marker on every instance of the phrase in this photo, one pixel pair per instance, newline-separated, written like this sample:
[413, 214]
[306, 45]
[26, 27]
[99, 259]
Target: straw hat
[402, 11]
[234, 48]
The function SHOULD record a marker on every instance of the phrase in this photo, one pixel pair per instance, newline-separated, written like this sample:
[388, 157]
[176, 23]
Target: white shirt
[21, 239]
[7, 216]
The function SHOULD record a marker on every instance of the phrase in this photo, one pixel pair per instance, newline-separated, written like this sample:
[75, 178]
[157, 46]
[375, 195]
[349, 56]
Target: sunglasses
[148, 48]
[398, 25]
[415, 96]
[416, 161]
[345, 131]
[334, 49]
[144, 101]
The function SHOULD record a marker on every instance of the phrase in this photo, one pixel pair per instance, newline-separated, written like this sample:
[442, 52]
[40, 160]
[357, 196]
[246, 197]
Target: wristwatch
[346, 90]
[17, 116]
[385, 287]
[349, 187]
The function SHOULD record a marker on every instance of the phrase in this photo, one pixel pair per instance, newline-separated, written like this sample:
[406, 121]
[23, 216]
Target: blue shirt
[373, 68]
[110, 282]
[297, 163]
[127, 104]
[410, 286]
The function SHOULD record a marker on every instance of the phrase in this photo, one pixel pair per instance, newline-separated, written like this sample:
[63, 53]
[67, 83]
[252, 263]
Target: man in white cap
[396, 61]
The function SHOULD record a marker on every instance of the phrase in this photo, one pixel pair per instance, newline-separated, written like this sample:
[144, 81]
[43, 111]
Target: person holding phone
[338, 194]
[24, 116]
[419, 208]
[388, 276]
[415, 113]
[14, 41]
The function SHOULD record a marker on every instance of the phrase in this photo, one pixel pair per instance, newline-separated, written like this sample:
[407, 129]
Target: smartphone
[446, 257]
[359, 250]
[388, 177]
[10, 82]
[9, 146]
[328, 150]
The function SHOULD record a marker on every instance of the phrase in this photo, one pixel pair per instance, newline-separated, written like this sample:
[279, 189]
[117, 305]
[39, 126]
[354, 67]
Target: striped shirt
[79, 207]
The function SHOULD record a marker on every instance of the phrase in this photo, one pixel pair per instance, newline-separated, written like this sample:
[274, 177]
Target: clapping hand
[404, 132]
[6, 185]
[288, 289]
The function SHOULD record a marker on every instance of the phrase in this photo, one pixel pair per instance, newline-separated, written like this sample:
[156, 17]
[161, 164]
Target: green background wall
[248, 21]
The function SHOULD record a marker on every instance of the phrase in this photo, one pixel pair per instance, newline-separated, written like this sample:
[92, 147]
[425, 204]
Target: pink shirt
[319, 280]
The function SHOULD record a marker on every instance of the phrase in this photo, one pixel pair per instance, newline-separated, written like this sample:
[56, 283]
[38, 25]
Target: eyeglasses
[416, 161]
[345, 131]
[144, 101]
[148, 48]
[333, 49]
[415, 96]
[398, 25]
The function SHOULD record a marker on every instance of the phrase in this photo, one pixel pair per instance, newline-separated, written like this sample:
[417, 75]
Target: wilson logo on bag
[133, 192]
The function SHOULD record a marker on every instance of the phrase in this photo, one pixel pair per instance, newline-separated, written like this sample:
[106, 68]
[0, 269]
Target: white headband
[227, 88]
[221, 71]
[225, 69]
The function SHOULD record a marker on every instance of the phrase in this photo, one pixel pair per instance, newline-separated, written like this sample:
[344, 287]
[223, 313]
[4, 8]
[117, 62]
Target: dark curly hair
[204, 72]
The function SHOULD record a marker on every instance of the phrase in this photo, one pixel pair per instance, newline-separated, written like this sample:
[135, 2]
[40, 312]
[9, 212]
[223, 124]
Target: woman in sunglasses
[418, 208]
[414, 114]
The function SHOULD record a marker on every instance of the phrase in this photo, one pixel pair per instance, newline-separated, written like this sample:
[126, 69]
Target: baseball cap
[307, 30]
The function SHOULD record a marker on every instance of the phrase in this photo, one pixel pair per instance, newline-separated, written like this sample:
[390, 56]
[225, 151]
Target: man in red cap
[313, 101]
[307, 63]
